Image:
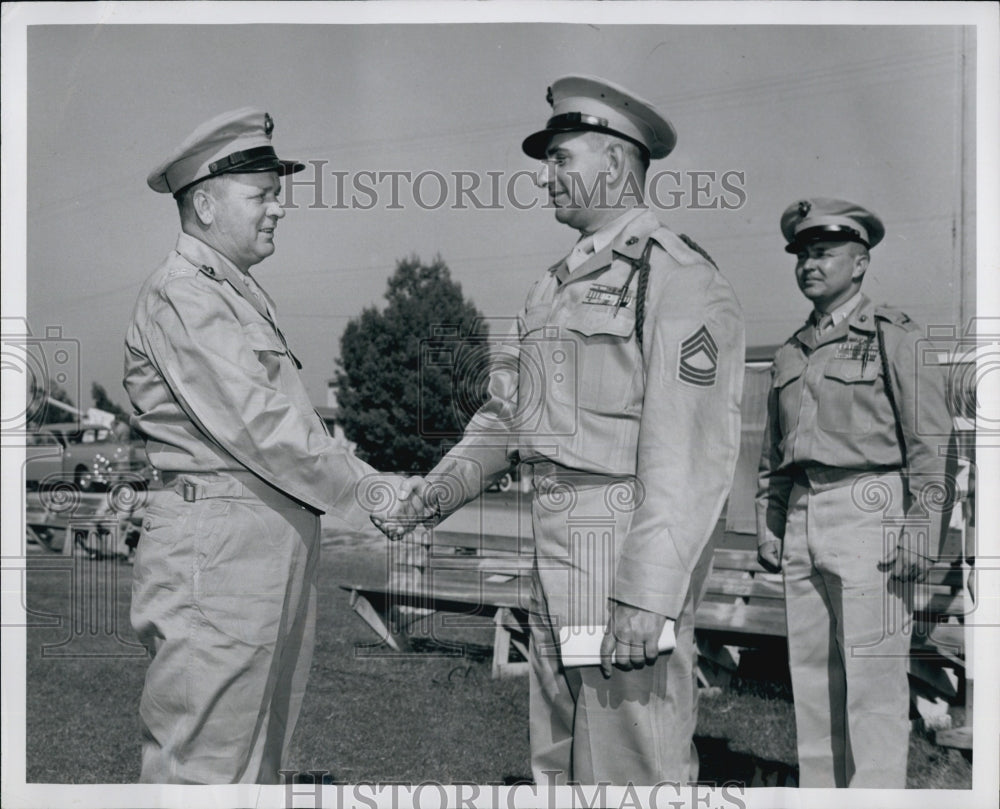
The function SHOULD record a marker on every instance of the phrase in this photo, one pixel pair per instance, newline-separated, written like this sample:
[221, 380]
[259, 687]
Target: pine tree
[412, 375]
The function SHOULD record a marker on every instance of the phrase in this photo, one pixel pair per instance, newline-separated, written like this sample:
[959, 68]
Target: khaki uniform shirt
[828, 408]
[576, 389]
[215, 387]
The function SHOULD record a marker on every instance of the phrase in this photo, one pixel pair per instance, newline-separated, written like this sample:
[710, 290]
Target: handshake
[414, 503]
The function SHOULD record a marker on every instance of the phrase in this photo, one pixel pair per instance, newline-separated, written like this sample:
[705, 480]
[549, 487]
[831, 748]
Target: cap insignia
[268, 125]
[548, 96]
[804, 207]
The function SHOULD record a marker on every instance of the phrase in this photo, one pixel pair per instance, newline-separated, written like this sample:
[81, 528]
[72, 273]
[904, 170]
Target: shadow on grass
[719, 764]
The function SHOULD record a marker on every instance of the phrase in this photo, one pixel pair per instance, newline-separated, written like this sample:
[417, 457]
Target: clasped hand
[415, 504]
[631, 639]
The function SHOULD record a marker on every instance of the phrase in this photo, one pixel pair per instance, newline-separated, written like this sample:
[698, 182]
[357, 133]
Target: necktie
[824, 324]
[578, 255]
[257, 293]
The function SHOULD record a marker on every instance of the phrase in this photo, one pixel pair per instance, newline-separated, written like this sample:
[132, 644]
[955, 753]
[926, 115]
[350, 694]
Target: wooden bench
[488, 576]
[743, 603]
[480, 576]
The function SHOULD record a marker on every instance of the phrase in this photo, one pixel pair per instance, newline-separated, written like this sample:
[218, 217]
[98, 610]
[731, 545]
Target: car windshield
[42, 440]
[88, 435]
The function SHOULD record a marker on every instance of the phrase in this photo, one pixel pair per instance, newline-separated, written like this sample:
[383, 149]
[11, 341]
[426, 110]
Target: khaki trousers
[224, 598]
[848, 632]
[636, 727]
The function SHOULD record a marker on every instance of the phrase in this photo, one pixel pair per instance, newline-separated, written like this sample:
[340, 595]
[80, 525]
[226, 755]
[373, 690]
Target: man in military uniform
[623, 392]
[224, 589]
[851, 500]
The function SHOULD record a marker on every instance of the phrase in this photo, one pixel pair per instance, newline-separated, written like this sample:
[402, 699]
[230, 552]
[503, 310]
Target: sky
[872, 114]
[796, 99]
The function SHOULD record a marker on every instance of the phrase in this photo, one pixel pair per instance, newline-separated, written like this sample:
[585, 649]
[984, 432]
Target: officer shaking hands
[622, 392]
[852, 500]
[224, 585]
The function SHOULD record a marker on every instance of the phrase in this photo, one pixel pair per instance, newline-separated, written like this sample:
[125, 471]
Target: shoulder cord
[642, 267]
[697, 248]
[888, 389]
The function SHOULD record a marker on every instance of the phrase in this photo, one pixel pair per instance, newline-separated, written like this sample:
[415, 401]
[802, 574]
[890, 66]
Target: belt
[553, 473]
[194, 486]
[833, 476]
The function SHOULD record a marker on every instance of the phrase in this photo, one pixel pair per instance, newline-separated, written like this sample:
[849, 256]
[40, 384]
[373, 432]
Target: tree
[41, 411]
[411, 376]
[103, 402]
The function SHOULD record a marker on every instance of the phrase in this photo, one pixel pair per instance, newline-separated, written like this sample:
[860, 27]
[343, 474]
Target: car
[90, 456]
[514, 478]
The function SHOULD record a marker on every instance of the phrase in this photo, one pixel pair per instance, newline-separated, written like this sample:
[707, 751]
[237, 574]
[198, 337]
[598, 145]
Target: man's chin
[567, 216]
[263, 251]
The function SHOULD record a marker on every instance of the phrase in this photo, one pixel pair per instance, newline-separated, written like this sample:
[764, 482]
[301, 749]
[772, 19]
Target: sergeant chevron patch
[699, 359]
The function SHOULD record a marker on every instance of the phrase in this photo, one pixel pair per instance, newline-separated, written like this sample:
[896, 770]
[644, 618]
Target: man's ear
[860, 267]
[615, 158]
[204, 206]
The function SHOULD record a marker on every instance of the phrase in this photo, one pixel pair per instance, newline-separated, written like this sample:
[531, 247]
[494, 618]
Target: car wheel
[95, 542]
[506, 482]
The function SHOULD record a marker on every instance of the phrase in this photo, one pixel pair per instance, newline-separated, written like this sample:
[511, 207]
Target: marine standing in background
[851, 454]
[623, 394]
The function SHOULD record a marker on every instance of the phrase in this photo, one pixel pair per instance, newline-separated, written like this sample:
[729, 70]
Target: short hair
[185, 197]
[636, 157]
[859, 249]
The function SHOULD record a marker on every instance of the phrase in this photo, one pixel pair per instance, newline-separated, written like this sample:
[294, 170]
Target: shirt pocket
[164, 522]
[847, 396]
[545, 365]
[606, 362]
[268, 347]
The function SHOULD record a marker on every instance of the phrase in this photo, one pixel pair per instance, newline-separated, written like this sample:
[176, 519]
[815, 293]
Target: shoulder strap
[893, 315]
[888, 388]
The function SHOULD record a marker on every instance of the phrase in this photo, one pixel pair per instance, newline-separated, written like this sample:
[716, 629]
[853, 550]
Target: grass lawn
[368, 716]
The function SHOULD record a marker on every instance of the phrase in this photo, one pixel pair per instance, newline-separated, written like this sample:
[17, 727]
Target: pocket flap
[592, 321]
[851, 371]
[534, 318]
[262, 337]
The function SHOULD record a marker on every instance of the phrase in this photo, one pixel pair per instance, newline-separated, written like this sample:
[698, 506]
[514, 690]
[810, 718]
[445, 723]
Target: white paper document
[581, 645]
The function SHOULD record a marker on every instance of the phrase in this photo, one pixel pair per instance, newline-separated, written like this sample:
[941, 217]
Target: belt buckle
[190, 492]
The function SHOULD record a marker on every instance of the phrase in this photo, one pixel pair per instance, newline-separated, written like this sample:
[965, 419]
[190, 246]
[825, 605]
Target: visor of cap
[822, 218]
[827, 233]
[234, 142]
[590, 104]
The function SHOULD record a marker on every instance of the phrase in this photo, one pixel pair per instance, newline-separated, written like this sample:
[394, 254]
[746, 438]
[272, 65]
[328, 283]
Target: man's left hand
[632, 638]
[908, 564]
